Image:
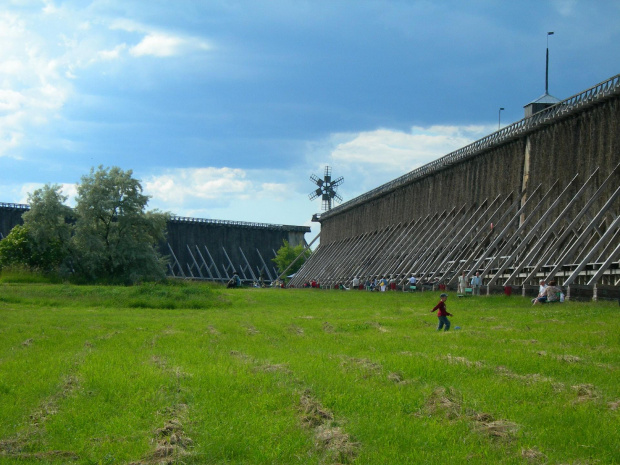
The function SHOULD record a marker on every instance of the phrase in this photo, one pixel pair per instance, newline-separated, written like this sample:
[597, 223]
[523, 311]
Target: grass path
[194, 374]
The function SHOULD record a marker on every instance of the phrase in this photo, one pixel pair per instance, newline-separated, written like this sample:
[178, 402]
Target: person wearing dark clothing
[235, 281]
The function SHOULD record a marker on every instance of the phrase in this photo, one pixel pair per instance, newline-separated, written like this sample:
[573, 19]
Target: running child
[442, 313]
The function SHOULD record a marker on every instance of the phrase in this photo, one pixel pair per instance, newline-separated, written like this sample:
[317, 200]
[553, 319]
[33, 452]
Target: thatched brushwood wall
[10, 216]
[220, 236]
[216, 235]
[578, 143]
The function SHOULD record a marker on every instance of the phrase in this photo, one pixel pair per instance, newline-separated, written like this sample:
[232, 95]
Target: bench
[468, 292]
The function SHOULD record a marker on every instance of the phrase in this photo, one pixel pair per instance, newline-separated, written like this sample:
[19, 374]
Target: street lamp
[499, 117]
[547, 67]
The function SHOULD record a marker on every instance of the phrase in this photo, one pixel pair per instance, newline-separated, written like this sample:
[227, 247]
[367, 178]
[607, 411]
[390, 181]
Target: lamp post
[547, 66]
[499, 118]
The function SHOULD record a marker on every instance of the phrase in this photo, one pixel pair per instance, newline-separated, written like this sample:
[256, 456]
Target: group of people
[550, 292]
[475, 283]
[383, 283]
[379, 283]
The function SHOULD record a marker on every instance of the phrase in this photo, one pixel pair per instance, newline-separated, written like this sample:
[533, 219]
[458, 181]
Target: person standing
[476, 282]
[462, 283]
[442, 313]
[356, 283]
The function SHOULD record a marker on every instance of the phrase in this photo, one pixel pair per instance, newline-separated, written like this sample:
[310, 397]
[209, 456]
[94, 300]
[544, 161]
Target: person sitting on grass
[551, 294]
[541, 290]
[442, 313]
[235, 281]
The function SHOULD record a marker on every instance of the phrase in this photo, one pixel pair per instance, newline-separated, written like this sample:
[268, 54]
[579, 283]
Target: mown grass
[197, 374]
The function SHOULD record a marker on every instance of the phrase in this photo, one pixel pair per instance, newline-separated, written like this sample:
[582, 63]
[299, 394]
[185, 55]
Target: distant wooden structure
[536, 200]
[208, 249]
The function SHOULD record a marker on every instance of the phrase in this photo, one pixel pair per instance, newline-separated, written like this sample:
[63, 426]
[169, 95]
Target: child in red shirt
[442, 314]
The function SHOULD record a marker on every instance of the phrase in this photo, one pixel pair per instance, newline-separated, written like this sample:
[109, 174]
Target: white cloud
[44, 51]
[33, 89]
[205, 191]
[113, 54]
[389, 150]
[49, 7]
[565, 7]
[177, 186]
[18, 193]
[369, 159]
[165, 45]
[366, 160]
[158, 45]
[128, 25]
[10, 100]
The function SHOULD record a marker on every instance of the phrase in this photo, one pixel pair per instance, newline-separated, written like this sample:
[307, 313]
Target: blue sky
[223, 109]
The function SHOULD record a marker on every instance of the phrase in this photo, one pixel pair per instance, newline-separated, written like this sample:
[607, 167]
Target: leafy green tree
[49, 224]
[43, 242]
[115, 238]
[16, 248]
[287, 254]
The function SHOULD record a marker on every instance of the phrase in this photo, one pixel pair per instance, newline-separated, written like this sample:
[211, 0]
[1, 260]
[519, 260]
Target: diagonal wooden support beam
[504, 234]
[204, 263]
[511, 251]
[248, 265]
[381, 248]
[410, 244]
[176, 263]
[217, 271]
[459, 237]
[359, 247]
[604, 238]
[328, 271]
[394, 250]
[198, 267]
[434, 239]
[337, 272]
[265, 265]
[510, 240]
[568, 255]
[542, 241]
[230, 263]
[473, 242]
[329, 253]
[613, 256]
[307, 270]
[423, 241]
[415, 239]
[352, 253]
[606, 251]
[442, 242]
[362, 250]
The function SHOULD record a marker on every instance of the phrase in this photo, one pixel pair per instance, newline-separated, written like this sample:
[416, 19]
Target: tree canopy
[49, 226]
[287, 254]
[108, 236]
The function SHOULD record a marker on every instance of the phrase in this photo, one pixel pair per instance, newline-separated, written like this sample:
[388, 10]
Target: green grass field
[196, 374]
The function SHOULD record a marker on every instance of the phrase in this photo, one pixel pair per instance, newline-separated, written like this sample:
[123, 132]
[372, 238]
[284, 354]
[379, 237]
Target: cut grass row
[108, 375]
